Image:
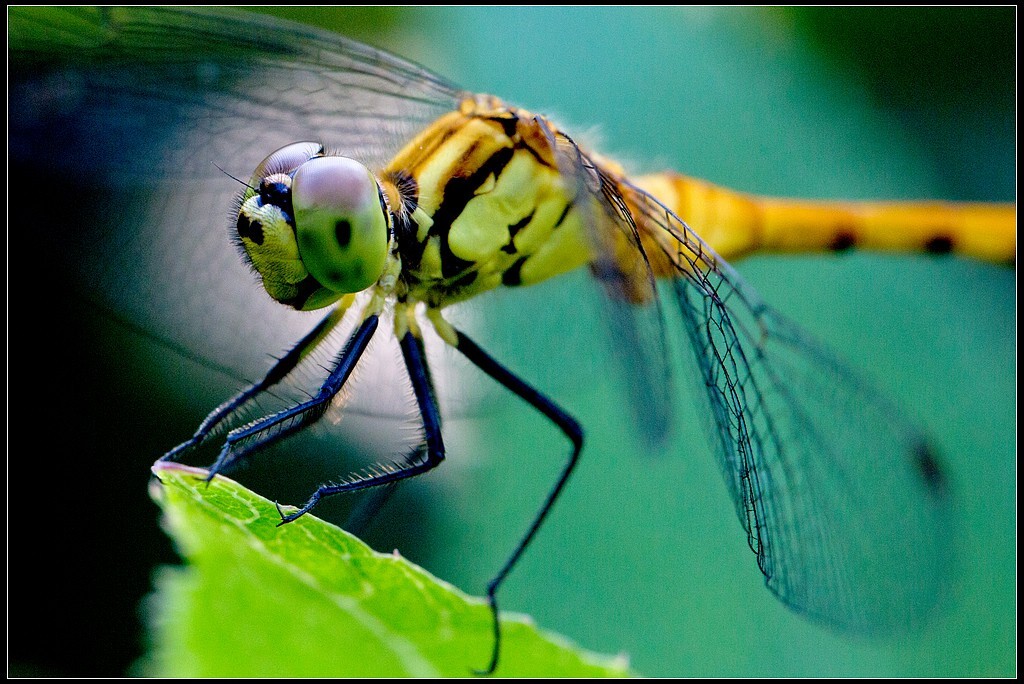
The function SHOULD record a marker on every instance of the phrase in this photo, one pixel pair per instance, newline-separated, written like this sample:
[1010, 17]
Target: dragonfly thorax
[480, 203]
[313, 227]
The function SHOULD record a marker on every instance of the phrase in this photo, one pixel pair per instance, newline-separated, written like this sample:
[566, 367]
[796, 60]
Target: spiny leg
[422, 459]
[285, 365]
[375, 500]
[565, 423]
[269, 429]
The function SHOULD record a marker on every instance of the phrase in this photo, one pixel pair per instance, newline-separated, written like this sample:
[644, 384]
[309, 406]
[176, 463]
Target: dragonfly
[385, 196]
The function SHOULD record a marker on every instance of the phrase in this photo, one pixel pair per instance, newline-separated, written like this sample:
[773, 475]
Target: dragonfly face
[773, 392]
[315, 227]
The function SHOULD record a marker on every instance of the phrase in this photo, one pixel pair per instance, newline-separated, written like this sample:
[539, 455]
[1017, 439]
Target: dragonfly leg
[566, 423]
[423, 458]
[285, 365]
[368, 508]
[243, 441]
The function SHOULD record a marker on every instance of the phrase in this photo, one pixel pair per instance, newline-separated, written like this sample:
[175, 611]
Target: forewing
[132, 118]
[843, 500]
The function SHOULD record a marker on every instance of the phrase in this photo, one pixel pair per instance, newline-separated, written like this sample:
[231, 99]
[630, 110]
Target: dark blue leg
[243, 441]
[371, 504]
[285, 365]
[424, 458]
[565, 423]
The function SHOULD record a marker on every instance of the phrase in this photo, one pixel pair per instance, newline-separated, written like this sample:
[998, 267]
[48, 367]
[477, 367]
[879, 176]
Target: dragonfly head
[313, 227]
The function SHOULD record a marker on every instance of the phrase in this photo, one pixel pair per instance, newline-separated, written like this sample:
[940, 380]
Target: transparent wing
[623, 272]
[841, 497]
[121, 121]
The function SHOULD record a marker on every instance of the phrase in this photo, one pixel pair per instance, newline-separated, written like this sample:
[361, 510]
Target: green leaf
[309, 599]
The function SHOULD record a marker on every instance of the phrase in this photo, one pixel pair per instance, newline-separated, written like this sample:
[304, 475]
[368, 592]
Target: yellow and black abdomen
[481, 204]
[737, 224]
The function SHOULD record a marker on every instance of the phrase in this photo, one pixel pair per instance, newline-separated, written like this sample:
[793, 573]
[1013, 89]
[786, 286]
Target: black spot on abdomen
[843, 240]
[940, 244]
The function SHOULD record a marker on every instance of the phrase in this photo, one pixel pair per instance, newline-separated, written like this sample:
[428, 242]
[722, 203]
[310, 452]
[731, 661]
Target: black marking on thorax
[510, 247]
[510, 125]
[507, 123]
[565, 212]
[458, 191]
[513, 274]
[410, 249]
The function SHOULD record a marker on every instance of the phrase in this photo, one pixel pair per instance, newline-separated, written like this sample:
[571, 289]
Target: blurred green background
[643, 555]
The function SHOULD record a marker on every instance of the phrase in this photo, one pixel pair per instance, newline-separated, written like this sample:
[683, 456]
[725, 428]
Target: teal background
[643, 555]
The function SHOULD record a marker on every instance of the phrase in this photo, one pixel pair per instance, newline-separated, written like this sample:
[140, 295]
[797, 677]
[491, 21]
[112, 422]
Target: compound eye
[285, 160]
[340, 224]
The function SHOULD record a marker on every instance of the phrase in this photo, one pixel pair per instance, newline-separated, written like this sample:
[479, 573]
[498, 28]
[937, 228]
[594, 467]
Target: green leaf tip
[309, 599]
